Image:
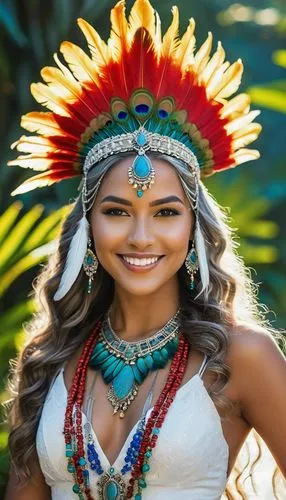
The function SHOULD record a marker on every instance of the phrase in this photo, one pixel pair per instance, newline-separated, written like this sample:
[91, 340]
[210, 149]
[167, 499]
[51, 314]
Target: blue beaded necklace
[111, 485]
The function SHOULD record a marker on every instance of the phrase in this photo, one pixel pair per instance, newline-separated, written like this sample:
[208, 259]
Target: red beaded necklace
[73, 431]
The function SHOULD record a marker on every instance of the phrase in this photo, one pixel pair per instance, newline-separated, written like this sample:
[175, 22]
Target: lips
[140, 264]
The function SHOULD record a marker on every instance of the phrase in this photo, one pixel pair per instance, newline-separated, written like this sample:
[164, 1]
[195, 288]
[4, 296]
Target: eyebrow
[161, 201]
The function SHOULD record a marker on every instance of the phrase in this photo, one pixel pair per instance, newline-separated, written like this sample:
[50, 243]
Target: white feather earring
[75, 258]
[202, 258]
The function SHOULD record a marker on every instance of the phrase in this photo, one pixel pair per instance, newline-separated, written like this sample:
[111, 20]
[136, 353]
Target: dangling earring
[90, 265]
[192, 265]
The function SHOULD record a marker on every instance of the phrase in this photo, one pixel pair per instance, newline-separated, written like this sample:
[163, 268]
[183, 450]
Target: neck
[136, 317]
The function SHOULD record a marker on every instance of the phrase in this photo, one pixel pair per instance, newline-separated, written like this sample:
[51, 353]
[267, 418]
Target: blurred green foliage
[255, 192]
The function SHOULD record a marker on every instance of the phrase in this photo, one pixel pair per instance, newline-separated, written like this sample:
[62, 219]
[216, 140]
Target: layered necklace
[111, 485]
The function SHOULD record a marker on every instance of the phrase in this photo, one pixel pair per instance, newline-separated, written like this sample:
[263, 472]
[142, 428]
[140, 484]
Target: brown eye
[114, 212]
[166, 212]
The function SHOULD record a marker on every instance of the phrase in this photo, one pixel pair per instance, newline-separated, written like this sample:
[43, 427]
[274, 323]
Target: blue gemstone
[89, 260]
[111, 490]
[162, 113]
[141, 166]
[141, 139]
[122, 115]
[155, 431]
[193, 256]
[140, 193]
[142, 109]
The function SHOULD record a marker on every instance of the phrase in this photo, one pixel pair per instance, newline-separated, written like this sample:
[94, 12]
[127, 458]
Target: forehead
[166, 183]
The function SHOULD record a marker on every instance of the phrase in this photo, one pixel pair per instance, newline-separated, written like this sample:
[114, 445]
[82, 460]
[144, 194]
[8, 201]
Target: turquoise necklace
[125, 365]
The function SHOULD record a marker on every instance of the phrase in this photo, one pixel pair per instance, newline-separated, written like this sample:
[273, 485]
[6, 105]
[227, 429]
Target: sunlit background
[255, 192]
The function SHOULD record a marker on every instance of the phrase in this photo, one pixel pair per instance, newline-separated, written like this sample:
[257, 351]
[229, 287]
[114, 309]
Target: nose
[140, 236]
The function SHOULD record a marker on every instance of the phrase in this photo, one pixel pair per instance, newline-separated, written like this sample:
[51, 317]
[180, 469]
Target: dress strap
[203, 366]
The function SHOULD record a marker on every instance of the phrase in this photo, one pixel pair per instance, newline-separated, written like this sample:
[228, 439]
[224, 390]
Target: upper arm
[261, 369]
[35, 489]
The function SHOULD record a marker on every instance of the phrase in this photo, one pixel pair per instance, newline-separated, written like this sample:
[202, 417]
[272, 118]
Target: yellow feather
[68, 74]
[142, 14]
[101, 54]
[238, 104]
[215, 62]
[34, 144]
[59, 84]
[251, 128]
[68, 88]
[184, 54]
[118, 37]
[83, 68]
[244, 155]
[246, 139]
[158, 34]
[78, 61]
[171, 40]
[44, 95]
[32, 183]
[202, 56]
[231, 80]
[119, 31]
[42, 123]
[215, 80]
[241, 122]
[35, 162]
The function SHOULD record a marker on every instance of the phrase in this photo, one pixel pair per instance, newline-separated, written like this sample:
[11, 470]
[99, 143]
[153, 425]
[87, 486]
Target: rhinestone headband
[133, 142]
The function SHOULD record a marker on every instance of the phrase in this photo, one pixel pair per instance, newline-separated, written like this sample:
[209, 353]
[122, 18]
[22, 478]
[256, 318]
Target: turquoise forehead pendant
[141, 174]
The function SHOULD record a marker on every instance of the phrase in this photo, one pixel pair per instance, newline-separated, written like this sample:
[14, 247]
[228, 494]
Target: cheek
[177, 235]
[107, 233]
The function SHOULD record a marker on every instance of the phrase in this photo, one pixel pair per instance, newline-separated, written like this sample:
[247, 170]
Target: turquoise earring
[90, 265]
[192, 265]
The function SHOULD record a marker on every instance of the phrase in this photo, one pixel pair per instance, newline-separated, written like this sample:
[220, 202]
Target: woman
[148, 364]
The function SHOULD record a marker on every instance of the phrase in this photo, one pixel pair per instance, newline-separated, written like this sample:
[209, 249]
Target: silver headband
[129, 142]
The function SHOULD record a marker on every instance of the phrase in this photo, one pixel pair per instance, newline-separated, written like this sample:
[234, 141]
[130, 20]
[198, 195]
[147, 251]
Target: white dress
[189, 461]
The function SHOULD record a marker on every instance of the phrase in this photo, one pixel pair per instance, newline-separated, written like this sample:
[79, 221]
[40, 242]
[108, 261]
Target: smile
[140, 264]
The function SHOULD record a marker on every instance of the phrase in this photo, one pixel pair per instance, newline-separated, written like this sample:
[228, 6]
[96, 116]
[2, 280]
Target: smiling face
[141, 242]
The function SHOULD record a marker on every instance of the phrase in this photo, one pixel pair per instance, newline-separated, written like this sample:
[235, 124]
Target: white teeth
[140, 262]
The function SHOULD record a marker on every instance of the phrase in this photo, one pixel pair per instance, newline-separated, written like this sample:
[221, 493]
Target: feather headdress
[99, 103]
[137, 76]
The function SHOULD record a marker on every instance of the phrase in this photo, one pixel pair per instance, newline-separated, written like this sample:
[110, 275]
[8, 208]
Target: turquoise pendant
[141, 174]
[122, 390]
[111, 486]
[141, 167]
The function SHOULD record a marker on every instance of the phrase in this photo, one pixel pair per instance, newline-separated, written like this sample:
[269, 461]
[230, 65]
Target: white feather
[75, 258]
[202, 258]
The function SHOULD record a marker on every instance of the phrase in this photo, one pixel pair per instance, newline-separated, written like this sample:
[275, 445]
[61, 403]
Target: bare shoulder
[252, 348]
[258, 373]
[253, 356]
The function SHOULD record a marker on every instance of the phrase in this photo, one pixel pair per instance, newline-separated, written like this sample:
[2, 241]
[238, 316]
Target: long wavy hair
[60, 328]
